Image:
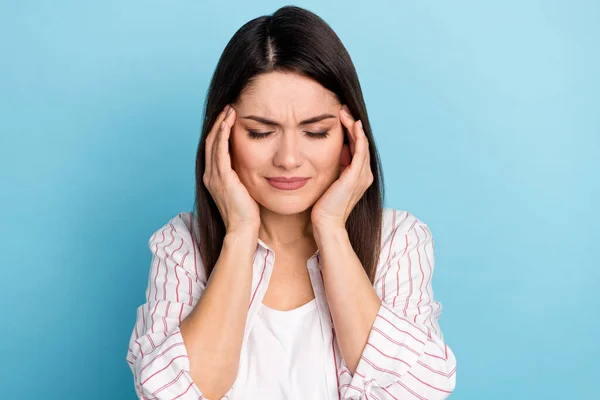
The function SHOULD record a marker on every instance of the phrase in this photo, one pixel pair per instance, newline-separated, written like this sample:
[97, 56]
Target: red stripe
[400, 330]
[409, 391]
[167, 256]
[137, 335]
[398, 271]
[387, 355]
[374, 366]
[395, 342]
[421, 285]
[158, 265]
[373, 396]
[161, 370]
[427, 384]
[144, 316]
[138, 343]
[428, 284]
[173, 333]
[182, 264]
[433, 355]
[168, 384]
[405, 320]
[188, 388]
[409, 278]
[391, 395]
[353, 387]
[435, 371]
[165, 318]
[192, 222]
[190, 297]
[177, 286]
[156, 277]
[152, 317]
[180, 313]
[172, 258]
[151, 341]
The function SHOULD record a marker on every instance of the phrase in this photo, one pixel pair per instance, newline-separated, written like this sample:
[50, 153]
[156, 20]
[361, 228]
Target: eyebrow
[269, 122]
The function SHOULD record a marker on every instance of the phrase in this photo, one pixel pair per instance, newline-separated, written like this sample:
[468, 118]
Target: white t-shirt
[285, 357]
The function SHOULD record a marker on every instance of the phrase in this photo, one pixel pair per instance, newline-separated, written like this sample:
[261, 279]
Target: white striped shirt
[405, 356]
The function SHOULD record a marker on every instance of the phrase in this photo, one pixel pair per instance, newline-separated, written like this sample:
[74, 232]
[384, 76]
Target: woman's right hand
[238, 209]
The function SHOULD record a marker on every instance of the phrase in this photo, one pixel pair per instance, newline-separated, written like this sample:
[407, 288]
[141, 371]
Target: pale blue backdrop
[486, 115]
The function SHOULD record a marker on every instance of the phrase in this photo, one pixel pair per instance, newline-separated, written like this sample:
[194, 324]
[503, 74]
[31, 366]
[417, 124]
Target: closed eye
[261, 135]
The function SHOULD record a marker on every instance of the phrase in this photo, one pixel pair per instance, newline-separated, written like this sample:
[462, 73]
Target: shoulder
[396, 223]
[180, 226]
[401, 233]
[176, 242]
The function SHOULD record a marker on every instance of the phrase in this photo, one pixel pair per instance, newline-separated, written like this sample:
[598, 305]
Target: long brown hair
[292, 39]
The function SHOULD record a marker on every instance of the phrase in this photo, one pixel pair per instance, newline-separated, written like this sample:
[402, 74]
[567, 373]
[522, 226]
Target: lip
[284, 179]
[287, 183]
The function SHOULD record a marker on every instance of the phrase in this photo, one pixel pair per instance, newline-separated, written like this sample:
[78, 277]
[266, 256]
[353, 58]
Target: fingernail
[227, 109]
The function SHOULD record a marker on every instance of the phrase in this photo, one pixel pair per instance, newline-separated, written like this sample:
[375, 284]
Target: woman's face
[288, 149]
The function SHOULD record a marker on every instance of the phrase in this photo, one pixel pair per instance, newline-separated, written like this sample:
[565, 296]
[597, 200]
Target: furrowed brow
[269, 122]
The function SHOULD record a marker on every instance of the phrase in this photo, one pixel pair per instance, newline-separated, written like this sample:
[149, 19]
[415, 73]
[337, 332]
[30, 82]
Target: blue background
[486, 116]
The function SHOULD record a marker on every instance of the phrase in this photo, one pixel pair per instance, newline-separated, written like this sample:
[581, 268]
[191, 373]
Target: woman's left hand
[335, 205]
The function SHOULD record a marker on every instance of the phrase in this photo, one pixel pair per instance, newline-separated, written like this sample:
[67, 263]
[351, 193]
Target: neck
[281, 230]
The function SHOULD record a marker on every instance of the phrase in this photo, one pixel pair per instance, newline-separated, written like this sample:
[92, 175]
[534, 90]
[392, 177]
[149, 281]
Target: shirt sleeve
[157, 354]
[405, 355]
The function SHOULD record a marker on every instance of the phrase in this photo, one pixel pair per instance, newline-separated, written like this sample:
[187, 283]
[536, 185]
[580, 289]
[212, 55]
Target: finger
[209, 143]
[221, 146]
[215, 128]
[346, 117]
[348, 122]
[362, 153]
[361, 143]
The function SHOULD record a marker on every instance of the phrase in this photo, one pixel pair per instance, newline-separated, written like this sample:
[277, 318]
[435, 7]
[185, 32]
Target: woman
[291, 281]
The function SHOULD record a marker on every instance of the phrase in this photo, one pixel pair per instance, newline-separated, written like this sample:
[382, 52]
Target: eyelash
[314, 135]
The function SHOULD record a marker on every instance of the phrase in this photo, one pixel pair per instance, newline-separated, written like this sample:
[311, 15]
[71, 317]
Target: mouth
[287, 184]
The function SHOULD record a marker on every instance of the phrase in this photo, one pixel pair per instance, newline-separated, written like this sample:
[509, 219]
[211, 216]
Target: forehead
[283, 91]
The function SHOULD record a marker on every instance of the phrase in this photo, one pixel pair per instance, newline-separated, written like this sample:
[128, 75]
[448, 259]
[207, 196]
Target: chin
[284, 204]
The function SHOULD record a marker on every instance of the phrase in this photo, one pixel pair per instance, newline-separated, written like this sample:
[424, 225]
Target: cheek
[245, 155]
[327, 158]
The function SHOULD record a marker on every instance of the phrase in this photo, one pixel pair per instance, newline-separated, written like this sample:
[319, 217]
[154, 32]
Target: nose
[288, 154]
